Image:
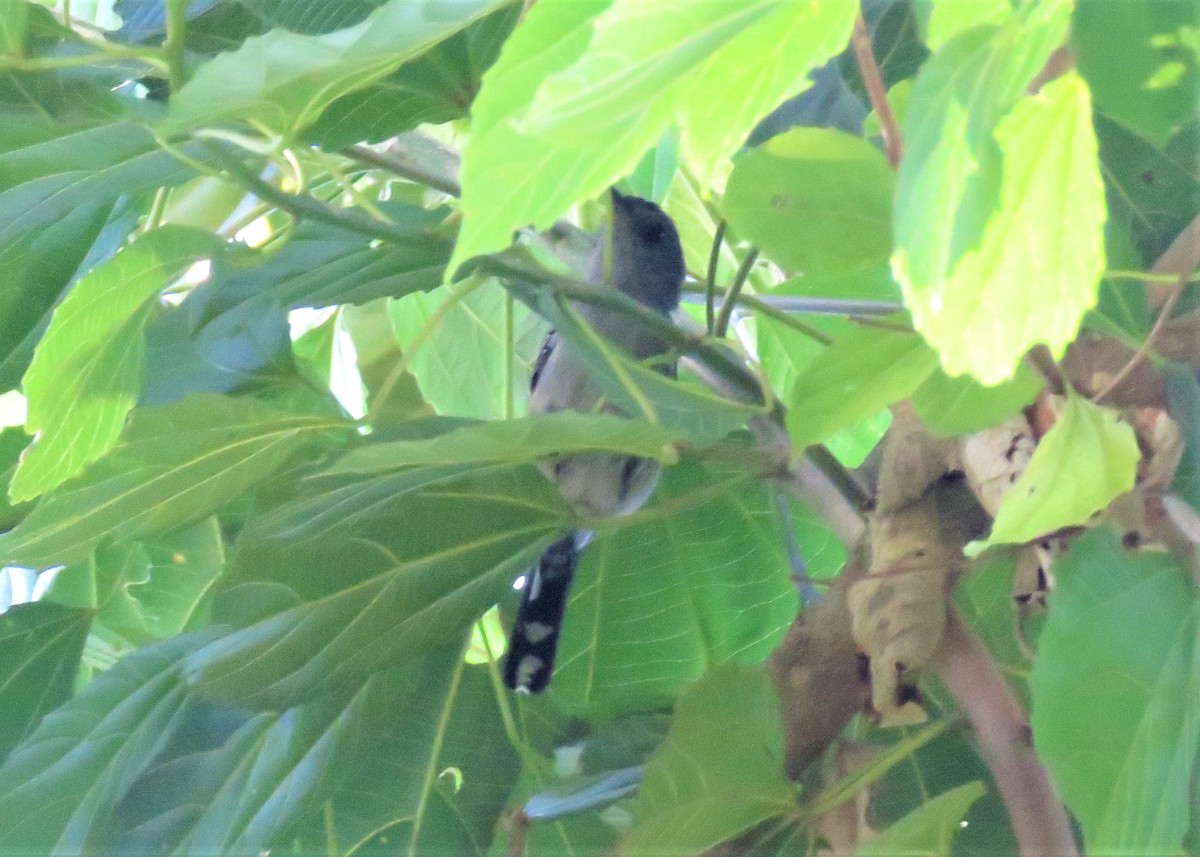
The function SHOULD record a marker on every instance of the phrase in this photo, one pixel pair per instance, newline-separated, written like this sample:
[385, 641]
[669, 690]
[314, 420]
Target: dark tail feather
[533, 641]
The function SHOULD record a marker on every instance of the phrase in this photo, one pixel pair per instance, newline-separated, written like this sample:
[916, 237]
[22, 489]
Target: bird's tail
[533, 641]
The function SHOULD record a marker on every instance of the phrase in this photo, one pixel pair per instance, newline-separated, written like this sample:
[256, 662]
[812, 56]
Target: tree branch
[405, 167]
[1006, 743]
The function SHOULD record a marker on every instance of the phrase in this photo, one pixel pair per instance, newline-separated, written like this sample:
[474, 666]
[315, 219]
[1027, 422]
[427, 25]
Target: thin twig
[864, 55]
[404, 168]
[848, 484]
[731, 298]
[306, 206]
[770, 310]
[710, 281]
[1138, 356]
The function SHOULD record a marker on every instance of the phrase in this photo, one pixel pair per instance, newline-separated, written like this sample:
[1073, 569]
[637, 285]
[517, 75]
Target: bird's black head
[646, 257]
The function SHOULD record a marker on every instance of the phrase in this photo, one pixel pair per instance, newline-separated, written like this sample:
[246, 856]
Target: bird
[641, 256]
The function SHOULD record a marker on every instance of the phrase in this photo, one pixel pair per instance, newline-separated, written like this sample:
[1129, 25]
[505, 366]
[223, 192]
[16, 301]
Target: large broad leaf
[34, 271]
[435, 770]
[1153, 190]
[1019, 180]
[959, 406]
[437, 86]
[40, 645]
[1184, 391]
[1116, 699]
[942, 20]
[720, 771]
[175, 464]
[420, 555]
[1087, 459]
[815, 200]
[147, 590]
[483, 336]
[556, 126]
[43, 105]
[87, 370]
[232, 783]
[1152, 90]
[312, 16]
[12, 442]
[861, 373]
[111, 235]
[928, 830]
[944, 766]
[284, 81]
[48, 179]
[657, 602]
[58, 786]
[525, 439]
[322, 265]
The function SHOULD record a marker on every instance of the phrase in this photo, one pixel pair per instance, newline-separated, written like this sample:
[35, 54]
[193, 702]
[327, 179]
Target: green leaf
[13, 441]
[437, 86]
[87, 370]
[435, 769]
[853, 444]
[928, 830]
[284, 81]
[554, 127]
[47, 179]
[519, 440]
[58, 786]
[720, 771]
[322, 265]
[1019, 179]
[1087, 459]
[456, 336]
[145, 591]
[958, 406]
[1184, 393]
[40, 645]
[34, 270]
[722, 593]
[423, 554]
[605, 90]
[861, 373]
[742, 83]
[174, 464]
[814, 199]
[944, 764]
[1152, 90]
[1152, 190]
[311, 16]
[505, 172]
[14, 23]
[231, 783]
[1115, 698]
[942, 20]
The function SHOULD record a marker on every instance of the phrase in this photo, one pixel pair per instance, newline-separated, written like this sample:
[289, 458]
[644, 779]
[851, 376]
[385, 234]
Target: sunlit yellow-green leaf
[87, 370]
[1087, 459]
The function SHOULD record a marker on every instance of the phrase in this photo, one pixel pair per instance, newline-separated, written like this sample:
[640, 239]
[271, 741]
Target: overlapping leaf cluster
[268, 474]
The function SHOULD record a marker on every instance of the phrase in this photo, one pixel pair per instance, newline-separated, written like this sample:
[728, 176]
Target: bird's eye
[652, 233]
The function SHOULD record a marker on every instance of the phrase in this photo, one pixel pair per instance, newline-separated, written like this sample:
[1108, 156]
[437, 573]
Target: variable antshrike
[639, 255]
